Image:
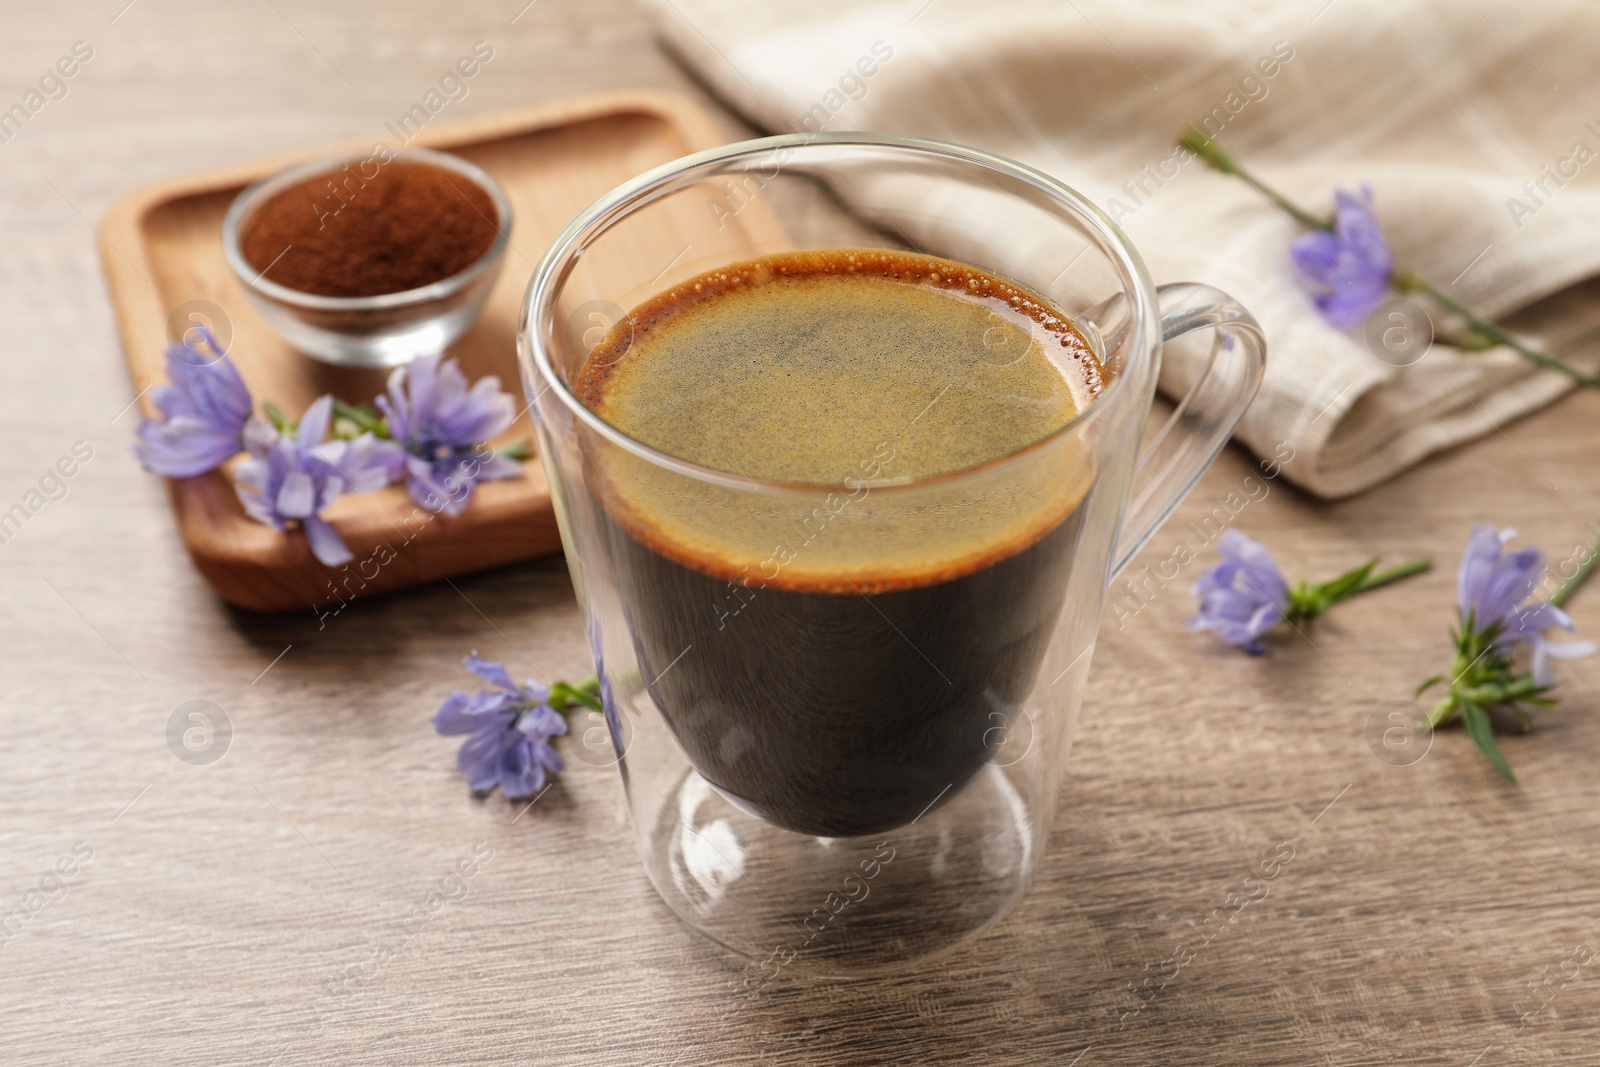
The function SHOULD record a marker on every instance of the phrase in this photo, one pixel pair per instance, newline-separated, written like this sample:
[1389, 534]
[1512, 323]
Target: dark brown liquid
[834, 684]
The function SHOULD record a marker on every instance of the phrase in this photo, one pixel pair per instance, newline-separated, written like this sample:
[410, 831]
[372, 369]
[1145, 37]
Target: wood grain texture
[161, 250]
[1424, 908]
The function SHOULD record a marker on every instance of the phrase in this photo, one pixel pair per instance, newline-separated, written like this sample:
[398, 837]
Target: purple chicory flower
[293, 477]
[1243, 596]
[1494, 619]
[204, 407]
[1492, 588]
[1347, 270]
[510, 727]
[442, 424]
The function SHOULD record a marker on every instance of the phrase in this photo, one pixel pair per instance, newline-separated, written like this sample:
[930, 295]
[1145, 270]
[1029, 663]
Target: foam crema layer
[909, 404]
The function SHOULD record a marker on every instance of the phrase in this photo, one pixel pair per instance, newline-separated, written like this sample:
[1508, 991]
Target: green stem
[1300, 214]
[1570, 586]
[1408, 281]
[1218, 159]
[1441, 711]
[1393, 574]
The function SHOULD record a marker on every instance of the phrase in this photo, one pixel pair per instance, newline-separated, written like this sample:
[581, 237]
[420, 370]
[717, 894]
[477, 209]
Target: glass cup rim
[670, 177]
[258, 191]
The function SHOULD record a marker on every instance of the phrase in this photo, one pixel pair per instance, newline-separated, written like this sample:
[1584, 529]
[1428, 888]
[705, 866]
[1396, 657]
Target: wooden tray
[161, 248]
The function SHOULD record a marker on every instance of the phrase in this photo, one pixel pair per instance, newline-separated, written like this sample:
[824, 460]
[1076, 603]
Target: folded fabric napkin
[1477, 127]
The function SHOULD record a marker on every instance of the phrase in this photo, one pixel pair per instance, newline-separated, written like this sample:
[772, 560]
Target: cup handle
[1174, 459]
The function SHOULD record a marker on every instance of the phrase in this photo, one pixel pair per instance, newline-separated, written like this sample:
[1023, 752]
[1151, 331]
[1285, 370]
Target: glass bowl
[369, 331]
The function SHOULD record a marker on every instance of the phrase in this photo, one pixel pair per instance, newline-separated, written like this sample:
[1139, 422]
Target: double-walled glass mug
[845, 775]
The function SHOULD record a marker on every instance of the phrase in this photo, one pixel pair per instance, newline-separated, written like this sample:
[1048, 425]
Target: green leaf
[280, 422]
[1489, 634]
[364, 418]
[563, 695]
[1378, 579]
[1482, 733]
[1342, 586]
[1307, 601]
[1429, 684]
[1523, 687]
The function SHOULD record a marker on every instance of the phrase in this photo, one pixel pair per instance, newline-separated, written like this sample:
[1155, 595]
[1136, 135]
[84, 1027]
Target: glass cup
[846, 781]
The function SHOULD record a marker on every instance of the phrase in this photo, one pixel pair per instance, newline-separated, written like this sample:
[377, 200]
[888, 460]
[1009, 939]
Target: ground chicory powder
[343, 234]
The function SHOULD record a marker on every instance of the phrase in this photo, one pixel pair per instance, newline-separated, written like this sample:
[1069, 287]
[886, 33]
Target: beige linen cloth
[1475, 122]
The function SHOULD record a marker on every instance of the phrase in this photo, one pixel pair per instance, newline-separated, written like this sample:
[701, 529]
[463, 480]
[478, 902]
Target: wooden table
[1430, 914]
